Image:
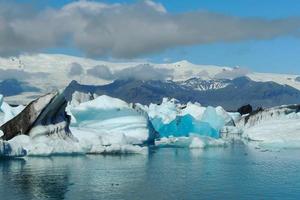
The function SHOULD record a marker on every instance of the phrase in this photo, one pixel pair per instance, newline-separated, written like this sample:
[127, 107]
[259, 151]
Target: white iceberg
[8, 112]
[109, 125]
[194, 141]
[106, 124]
[173, 119]
[277, 127]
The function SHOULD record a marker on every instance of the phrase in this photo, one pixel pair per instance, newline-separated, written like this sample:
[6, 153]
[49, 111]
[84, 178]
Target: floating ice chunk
[197, 143]
[236, 117]
[111, 120]
[171, 141]
[43, 146]
[277, 127]
[166, 111]
[210, 125]
[231, 133]
[8, 112]
[104, 125]
[213, 119]
[194, 142]
[81, 97]
[183, 126]
[125, 149]
[224, 115]
[101, 103]
[191, 118]
[11, 150]
[194, 109]
[93, 142]
[277, 132]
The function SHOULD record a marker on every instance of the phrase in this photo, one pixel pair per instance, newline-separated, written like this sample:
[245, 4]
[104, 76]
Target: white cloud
[232, 73]
[75, 69]
[126, 30]
[21, 74]
[100, 71]
[144, 72]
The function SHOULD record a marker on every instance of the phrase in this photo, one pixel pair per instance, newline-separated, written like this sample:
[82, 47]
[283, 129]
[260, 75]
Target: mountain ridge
[239, 92]
[48, 72]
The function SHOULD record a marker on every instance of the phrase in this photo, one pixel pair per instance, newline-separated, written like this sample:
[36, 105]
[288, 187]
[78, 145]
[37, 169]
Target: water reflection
[34, 178]
[70, 177]
[236, 172]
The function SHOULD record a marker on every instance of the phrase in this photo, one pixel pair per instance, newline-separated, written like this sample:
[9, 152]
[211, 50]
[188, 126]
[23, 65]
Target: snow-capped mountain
[56, 68]
[239, 92]
[40, 73]
[203, 85]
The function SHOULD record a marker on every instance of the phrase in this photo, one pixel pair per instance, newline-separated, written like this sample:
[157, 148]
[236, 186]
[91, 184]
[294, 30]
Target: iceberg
[41, 128]
[173, 119]
[213, 119]
[81, 97]
[166, 111]
[107, 122]
[103, 125]
[194, 141]
[86, 124]
[10, 150]
[183, 126]
[8, 112]
[277, 127]
[194, 109]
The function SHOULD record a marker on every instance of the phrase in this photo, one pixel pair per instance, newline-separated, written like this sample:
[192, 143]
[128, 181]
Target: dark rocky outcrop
[48, 112]
[245, 109]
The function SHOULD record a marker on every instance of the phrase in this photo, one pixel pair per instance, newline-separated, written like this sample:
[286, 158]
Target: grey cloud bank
[144, 72]
[100, 71]
[139, 72]
[75, 69]
[126, 30]
[21, 74]
[233, 73]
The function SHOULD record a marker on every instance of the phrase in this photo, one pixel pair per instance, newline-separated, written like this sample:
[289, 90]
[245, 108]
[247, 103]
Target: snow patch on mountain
[52, 71]
[203, 85]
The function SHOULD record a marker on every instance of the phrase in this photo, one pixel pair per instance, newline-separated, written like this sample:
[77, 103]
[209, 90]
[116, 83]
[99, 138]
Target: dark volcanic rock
[245, 109]
[48, 112]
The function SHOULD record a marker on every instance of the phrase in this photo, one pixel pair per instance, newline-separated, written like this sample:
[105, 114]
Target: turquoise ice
[209, 125]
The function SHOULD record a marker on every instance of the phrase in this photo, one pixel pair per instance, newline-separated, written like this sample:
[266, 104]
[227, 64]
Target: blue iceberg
[209, 125]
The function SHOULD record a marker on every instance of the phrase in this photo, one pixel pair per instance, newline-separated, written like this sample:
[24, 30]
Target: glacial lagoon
[234, 172]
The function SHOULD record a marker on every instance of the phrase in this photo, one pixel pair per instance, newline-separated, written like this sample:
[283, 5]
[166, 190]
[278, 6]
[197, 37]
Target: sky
[260, 35]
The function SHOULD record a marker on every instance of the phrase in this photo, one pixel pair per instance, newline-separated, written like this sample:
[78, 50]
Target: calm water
[235, 172]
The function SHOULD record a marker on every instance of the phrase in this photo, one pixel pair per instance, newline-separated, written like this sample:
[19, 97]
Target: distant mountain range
[10, 87]
[230, 94]
[25, 77]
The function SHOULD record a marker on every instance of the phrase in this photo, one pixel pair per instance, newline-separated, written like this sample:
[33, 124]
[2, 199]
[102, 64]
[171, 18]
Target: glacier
[89, 124]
